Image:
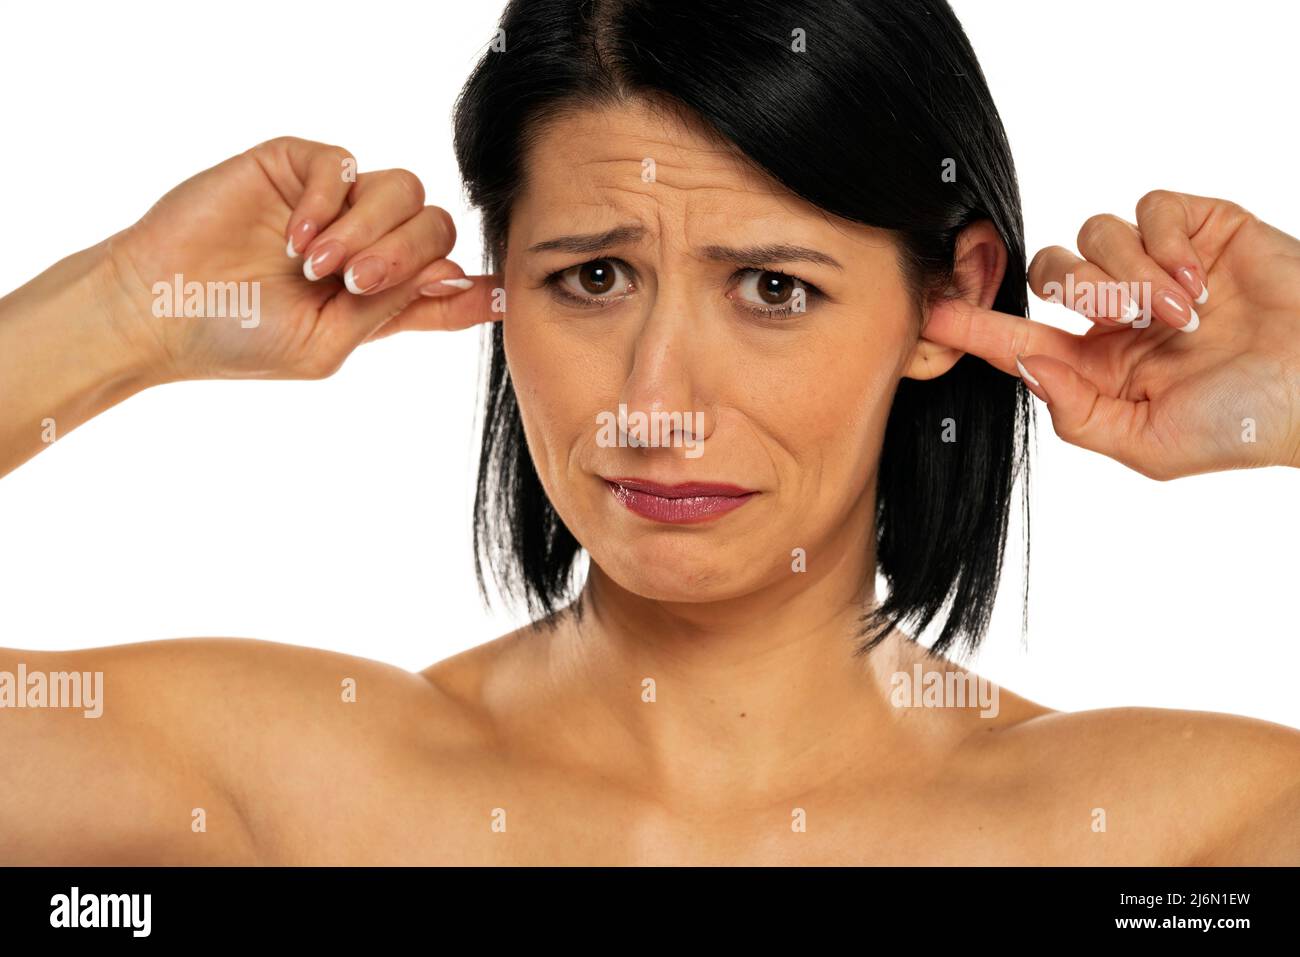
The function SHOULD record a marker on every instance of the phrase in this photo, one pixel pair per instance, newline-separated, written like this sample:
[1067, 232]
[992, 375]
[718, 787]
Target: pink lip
[679, 504]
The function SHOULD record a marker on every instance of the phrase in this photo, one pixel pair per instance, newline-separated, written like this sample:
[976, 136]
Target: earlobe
[930, 360]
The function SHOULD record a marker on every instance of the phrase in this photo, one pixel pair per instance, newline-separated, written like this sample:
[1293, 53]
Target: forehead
[609, 144]
[593, 165]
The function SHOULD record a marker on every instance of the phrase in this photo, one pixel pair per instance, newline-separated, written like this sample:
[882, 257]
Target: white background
[336, 514]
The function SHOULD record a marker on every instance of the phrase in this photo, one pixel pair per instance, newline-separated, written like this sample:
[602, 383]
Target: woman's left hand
[1208, 376]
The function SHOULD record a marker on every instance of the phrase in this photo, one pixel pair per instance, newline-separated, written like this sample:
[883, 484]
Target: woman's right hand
[378, 255]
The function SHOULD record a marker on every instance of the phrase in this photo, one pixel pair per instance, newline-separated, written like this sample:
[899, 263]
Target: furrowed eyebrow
[770, 253]
[632, 233]
[592, 242]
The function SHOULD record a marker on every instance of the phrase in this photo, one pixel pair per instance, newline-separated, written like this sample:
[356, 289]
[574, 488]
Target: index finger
[461, 306]
[997, 337]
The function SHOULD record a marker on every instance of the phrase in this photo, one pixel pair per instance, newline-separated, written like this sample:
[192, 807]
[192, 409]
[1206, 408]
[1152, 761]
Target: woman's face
[672, 316]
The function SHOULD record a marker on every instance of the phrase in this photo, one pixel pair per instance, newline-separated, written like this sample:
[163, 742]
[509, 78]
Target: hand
[1185, 393]
[372, 243]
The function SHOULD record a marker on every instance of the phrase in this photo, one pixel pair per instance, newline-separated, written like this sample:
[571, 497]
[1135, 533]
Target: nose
[666, 392]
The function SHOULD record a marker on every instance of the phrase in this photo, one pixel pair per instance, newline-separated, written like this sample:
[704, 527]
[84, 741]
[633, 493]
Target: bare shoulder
[1181, 786]
[1126, 785]
[245, 736]
[233, 681]
[203, 693]
[265, 705]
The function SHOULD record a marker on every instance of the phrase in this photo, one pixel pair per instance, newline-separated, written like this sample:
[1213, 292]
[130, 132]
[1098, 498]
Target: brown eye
[597, 276]
[593, 283]
[774, 288]
[772, 293]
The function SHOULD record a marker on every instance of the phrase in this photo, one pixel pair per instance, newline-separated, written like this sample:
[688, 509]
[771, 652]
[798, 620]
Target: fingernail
[299, 237]
[1188, 319]
[1198, 290]
[1030, 381]
[446, 287]
[1131, 311]
[366, 275]
[1024, 373]
[323, 261]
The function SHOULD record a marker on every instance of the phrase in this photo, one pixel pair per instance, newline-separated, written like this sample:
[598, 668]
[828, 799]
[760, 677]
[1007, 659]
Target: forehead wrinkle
[677, 165]
[616, 187]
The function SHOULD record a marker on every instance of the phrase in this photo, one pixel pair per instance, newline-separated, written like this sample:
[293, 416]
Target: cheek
[534, 380]
[554, 386]
[828, 399]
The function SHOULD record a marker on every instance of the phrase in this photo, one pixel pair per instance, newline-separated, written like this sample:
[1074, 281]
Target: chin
[700, 571]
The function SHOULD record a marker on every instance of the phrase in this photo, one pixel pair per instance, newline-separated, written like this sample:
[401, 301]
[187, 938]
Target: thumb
[1081, 414]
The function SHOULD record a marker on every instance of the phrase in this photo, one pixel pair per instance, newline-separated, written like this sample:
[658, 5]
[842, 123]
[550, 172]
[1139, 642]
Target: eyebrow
[632, 233]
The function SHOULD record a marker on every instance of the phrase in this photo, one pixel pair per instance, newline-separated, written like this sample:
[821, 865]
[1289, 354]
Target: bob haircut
[857, 106]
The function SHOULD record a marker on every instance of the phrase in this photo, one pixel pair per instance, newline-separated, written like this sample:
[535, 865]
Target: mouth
[682, 504]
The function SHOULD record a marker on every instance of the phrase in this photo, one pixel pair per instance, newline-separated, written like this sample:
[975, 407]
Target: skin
[760, 711]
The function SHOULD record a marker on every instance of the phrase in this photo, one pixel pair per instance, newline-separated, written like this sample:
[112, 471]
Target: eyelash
[555, 282]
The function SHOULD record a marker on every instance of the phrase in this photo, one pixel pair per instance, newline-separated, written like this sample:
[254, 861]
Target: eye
[589, 284]
[770, 293]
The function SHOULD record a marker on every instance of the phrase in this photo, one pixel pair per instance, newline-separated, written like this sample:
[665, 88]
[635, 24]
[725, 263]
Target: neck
[760, 694]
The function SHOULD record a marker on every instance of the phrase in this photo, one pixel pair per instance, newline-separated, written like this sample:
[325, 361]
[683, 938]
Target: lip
[681, 504]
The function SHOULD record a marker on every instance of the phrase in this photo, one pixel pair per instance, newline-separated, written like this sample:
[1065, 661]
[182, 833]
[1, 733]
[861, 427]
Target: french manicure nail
[1131, 311]
[322, 261]
[1033, 384]
[1181, 310]
[1024, 373]
[1198, 290]
[445, 287]
[366, 275]
[299, 238]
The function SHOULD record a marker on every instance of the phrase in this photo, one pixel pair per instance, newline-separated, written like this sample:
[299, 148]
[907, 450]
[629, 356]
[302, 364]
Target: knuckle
[316, 198]
[1166, 249]
[409, 183]
[1020, 339]
[1154, 199]
[449, 225]
[274, 144]
[1041, 266]
[445, 224]
[1238, 214]
[337, 155]
[1095, 230]
[1037, 266]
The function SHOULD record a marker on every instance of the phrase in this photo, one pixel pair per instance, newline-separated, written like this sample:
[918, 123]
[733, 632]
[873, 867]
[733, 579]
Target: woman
[771, 228]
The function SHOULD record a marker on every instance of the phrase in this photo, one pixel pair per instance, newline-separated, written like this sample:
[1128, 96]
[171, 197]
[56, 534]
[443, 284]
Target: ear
[979, 262]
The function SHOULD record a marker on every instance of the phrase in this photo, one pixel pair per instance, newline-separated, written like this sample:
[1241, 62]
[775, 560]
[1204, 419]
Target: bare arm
[118, 317]
[62, 359]
[1269, 837]
[204, 751]
[116, 762]
[190, 733]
